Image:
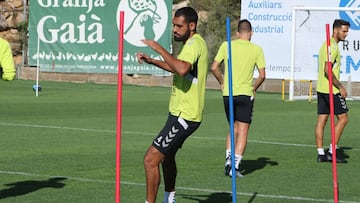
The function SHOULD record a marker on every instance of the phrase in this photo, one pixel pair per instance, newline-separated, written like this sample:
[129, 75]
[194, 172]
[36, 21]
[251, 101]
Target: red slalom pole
[119, 108]
[332, 125]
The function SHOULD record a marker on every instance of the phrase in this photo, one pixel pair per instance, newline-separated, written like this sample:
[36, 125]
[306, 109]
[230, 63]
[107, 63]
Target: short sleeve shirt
[323, 82]
[188, 93]
[246, 56]
[6, 60]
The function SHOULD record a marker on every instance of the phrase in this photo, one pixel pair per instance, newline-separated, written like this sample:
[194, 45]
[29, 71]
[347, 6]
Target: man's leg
[152, 159]
[319, 130]
[228, 145]
[339, 128]
[243, 116]
[169, 173]
[340, 125]
[319, 137]
[228, 150]
[240, 144]
[228, 139]
[227, 166]
[175, 134]
[242, 136]
[340, 109]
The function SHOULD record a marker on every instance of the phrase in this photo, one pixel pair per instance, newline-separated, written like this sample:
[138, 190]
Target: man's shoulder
[3, 41]
[247, 43]
[255, 47]
[196, 39]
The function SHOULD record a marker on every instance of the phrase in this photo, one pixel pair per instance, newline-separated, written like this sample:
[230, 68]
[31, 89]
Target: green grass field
[60, 147]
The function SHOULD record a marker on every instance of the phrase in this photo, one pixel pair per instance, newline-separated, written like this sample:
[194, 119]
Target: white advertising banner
[272, 26]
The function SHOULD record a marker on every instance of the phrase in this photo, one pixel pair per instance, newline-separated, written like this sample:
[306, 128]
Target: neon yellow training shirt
[188, 93]
[6, 60]
[323, 82]
[246, 56]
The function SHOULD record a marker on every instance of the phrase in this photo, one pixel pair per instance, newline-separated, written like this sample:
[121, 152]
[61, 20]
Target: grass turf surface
[60, 147]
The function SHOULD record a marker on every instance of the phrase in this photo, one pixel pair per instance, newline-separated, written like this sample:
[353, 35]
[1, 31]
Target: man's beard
[182, 38]
[340, 37]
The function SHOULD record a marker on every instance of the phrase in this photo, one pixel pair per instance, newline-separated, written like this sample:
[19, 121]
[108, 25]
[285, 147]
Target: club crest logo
[144, 19]
[351, 16]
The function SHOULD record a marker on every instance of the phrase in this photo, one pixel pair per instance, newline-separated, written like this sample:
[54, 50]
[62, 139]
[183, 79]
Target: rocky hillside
[13, 22]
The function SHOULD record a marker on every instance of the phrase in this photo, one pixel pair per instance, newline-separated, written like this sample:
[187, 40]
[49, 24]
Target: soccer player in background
[340, 31]
[186, 101]
[246, 56]
[6, 61]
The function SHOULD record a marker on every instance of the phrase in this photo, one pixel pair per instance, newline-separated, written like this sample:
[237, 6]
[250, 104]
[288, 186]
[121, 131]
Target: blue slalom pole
[231, 111]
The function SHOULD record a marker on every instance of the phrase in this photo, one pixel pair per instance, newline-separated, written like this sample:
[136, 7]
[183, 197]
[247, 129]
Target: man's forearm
[161, 64]
[258, 82]
[335, 81]
[218, 76]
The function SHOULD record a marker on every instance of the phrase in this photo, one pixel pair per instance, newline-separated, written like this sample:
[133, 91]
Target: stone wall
[13, 23]
[29, 73]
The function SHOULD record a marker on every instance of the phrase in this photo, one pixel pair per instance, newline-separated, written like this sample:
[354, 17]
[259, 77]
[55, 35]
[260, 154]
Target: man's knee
[147, 160]
[152, 158]
[343, 119]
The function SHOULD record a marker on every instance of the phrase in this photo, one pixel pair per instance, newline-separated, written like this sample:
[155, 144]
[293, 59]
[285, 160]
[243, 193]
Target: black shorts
[174, 133]
[243, 108]
[323, 104]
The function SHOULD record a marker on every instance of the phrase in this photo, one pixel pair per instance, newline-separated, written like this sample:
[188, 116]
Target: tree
[177, 1]
[214, 29]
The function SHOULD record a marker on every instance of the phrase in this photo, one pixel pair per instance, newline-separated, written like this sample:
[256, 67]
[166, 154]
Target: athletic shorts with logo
[174, 134]
[323, 104]
[243, 108]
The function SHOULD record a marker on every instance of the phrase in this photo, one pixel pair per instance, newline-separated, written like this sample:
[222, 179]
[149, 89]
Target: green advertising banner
[81, 36]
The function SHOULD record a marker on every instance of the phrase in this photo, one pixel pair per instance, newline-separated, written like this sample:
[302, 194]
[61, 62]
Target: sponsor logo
[143, 19]
[169, 137]
[164, 141]
[351, 16]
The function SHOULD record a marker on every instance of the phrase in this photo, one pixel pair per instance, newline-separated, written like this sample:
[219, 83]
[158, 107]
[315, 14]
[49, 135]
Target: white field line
[152, 134]
[142, 184]
[49, 176]
[280, 197]
[249, 194]
[55, 127]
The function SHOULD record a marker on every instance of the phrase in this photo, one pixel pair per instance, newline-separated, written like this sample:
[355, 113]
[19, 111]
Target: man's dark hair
[339, 22]
[189, 14]
[244, 26]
